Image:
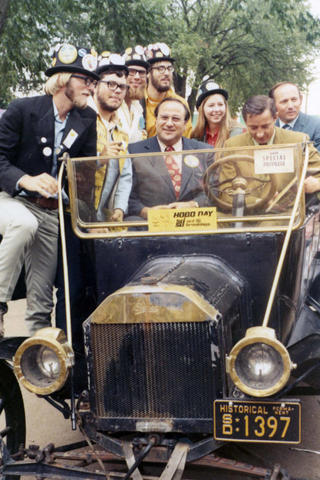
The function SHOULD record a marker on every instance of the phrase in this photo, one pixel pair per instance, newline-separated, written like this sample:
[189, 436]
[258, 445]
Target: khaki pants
[30, 237]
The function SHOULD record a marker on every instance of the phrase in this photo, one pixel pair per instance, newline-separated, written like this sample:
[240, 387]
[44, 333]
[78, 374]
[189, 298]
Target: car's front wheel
[12, 416]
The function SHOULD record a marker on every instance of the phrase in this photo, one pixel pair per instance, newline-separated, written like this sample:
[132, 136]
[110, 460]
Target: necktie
[286, 126]
[174, 171]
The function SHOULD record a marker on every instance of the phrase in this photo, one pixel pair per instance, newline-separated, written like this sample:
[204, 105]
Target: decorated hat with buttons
[135, 56]
[209, 87]
[156, 52]
[111, 61]
[68, 58]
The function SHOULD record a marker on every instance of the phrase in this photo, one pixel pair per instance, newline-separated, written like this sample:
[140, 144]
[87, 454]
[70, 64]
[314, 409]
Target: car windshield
[190, 192]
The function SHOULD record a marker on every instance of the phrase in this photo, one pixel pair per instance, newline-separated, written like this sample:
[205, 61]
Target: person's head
[259, 113]
[288, 100]
[72, 73]
[212, 103]
[111, 90]
[213, 111]
[137, 64]
[171, 118]
[161, 68]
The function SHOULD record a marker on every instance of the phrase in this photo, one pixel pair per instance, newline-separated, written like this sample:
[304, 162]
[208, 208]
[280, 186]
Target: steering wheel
[262, 188]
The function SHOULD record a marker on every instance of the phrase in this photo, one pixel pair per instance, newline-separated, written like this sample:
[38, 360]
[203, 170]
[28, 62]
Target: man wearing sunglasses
[131, 112]
[34, 133]
[160, 80]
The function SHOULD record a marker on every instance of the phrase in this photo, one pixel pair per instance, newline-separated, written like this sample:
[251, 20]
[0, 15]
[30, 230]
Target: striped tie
[286, 126]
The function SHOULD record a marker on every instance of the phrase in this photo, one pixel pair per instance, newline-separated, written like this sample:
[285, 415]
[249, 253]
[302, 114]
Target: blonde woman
[214, 124]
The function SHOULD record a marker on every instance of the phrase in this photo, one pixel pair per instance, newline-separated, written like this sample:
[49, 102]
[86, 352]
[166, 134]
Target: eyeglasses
[114, 85]
[87, 80]
[133, 72]
[162, 68]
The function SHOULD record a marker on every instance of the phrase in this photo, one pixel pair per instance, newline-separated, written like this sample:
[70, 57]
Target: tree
[244, 45]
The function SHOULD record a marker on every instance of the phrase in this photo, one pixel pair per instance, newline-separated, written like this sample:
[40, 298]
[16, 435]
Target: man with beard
[131, 111]
[34, 132]
[160, 79]
[113, 179]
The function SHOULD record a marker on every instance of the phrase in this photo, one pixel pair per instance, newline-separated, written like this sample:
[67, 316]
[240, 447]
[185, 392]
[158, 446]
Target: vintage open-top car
[206, 329]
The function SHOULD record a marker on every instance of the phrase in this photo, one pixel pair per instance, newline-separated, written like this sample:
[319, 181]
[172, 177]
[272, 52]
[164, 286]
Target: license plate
[255, 421]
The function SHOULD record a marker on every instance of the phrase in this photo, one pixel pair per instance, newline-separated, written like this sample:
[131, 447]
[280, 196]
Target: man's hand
[117, 215]
[44, 184]
[311, 184]
[110, 150]
[190, 204]
[144, 211]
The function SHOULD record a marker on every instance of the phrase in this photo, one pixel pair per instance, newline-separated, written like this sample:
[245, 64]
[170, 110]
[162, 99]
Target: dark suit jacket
[152, 184]
[27, 134]
[309, 124]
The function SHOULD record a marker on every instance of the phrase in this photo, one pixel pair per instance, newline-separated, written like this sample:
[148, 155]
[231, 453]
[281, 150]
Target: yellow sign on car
[179, 219]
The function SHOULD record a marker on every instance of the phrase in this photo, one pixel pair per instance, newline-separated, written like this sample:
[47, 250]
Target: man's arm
[312, 182]
[11, 126]
[124, 186]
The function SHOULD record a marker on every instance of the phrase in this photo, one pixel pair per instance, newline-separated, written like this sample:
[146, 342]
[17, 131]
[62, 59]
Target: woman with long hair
[214, 124]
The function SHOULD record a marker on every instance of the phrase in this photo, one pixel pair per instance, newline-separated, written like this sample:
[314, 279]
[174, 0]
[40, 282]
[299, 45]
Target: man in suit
[153, 183]
[288, 100]
[259, 113]
[34, 132]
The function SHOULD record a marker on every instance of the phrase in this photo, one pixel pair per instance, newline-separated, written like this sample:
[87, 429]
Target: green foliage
[244, 45]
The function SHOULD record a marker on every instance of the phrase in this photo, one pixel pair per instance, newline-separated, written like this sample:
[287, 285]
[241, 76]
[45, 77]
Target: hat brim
[160, 59]
[203, 96]
[141, 63]
[70, 69]
[105, 68]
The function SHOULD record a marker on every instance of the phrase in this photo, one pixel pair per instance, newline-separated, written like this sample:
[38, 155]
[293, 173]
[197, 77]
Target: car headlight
[42, 362]
[259, 365]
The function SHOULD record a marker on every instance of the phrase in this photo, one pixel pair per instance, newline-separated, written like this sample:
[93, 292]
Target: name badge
[70, 138]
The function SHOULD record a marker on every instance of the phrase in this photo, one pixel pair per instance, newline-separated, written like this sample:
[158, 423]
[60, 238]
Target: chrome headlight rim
[255, 335]
[55, 340]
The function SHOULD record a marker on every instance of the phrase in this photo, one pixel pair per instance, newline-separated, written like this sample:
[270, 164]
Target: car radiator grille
[154, 370]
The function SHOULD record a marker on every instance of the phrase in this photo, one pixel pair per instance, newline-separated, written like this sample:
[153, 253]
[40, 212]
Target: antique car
[206, 328]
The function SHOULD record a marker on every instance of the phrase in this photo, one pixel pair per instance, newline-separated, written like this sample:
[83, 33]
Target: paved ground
[45, 424]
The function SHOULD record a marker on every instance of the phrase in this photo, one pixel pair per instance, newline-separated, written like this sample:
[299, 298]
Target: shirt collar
[281, 123]
[177, 146]
[56, 115]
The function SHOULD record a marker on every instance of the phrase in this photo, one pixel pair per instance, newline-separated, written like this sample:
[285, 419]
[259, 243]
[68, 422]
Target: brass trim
[86, 230]
[65, 158]
[55, 339]
[259, 335]
[299, 198]
[114, 308]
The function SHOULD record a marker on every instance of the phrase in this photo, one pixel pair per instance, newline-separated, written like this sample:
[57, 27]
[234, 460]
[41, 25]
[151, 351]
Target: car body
[205, 327]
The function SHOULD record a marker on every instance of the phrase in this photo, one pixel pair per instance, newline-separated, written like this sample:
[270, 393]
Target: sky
[312, 97]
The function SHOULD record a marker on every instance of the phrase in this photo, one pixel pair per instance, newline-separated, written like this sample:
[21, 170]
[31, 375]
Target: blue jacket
[309, 124]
